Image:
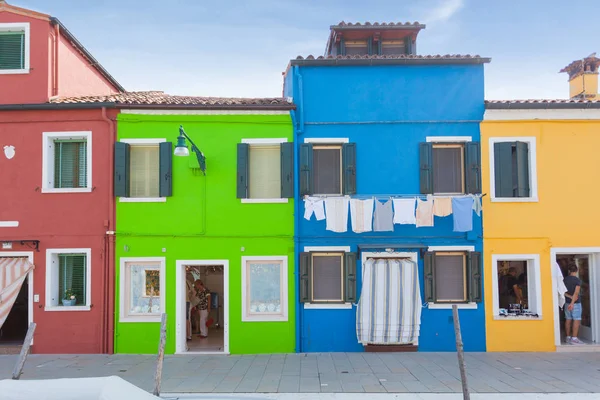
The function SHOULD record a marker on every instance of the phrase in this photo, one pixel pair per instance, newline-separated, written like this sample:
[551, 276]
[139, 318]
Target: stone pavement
[331, 372]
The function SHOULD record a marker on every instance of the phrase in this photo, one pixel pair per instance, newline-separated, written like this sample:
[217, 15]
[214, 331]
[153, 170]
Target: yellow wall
[568, 173]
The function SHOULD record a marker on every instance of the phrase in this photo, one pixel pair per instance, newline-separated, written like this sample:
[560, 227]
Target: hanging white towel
[561, 289]
[476, 204]
[314, 205]
[361, 212]
[404, 211]
[336, 214]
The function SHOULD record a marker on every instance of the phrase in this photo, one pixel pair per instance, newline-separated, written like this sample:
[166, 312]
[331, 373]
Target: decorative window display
[265, 289]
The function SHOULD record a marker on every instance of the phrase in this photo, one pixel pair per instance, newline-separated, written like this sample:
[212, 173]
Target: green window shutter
[370, 46]
[474, 265]
[522, 166]
[121, 180]
[350, 277]
[72, 276]
[166, 169]
[287, 170]
[342, 47]
[243, 157]
[429, 271]
[503, 175]
[306, 169]
[70, 164]
[12, 50]
[305, 277]
[349, 168]
[473, 167]
[426, 168]
[408, 45]
[379, 46]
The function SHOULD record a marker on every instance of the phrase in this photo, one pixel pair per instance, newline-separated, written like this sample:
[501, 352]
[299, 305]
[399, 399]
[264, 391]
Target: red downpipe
[55, 72]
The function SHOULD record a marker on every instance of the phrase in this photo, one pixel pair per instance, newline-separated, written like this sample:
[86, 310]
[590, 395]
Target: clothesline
[371, 196]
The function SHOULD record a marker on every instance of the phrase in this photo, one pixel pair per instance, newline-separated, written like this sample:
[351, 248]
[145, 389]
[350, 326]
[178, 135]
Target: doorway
[214, 275]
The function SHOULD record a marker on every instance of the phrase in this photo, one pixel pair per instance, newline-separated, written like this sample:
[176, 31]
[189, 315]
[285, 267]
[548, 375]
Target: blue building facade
[376, 121]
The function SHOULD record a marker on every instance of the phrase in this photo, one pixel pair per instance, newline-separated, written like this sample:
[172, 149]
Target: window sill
[516, 318]
[13, 71]
[265, 318]
[66, 190]
[67, 308]
[142, 199]
[250, 201]
[327, 306]
[144, 318]
[448, 306]
[514, 200]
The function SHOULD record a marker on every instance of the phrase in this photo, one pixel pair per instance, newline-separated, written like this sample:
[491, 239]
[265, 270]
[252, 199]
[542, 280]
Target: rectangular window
[14, 48]
[70, 164]
[328, 277]
[513, 169]
[356, 47]
[142, 289]
[516, 286]
[68, 274]
[392, 47]
[327, 169]
[453, 277]
[448, 168]
[264, 288]
[264, 172]
[144, 171]
[71, 277]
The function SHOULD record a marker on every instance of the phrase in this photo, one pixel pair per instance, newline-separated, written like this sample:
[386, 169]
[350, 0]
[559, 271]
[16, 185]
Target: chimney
[583, 78]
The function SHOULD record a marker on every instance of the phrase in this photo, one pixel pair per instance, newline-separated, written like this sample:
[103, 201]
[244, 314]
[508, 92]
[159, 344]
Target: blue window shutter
[474, 265]
[473, 167]
[243, 153]
[349, 168]
[121, 180]
[305, 277]
[429, 270]
[166, 169]
[503, 169]
[522, 166]
[350, 277]
[306, 169]
[426, 168]
[287, 170]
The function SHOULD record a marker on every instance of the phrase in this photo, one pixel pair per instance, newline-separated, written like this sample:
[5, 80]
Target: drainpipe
[298, 123]
[55, 72]
[109, 298]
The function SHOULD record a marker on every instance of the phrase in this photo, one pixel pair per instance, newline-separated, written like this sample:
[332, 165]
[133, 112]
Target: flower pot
[66, 302]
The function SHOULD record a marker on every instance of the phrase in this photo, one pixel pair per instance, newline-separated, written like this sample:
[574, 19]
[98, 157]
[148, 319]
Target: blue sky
[241, 47]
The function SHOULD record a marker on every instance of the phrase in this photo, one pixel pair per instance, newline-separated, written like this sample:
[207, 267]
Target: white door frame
[29, 255]
[180, 288]
[594, 263]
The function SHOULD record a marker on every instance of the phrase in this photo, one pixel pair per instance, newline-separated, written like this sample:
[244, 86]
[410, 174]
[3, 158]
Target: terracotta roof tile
[542, 104]
[542, 101]
[376, 24]
[392, 57]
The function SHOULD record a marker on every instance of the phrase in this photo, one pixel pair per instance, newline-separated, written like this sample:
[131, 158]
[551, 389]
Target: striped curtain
[13, 272]
[389, 309]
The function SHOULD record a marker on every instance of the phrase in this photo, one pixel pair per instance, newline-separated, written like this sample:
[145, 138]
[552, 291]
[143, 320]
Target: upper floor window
[356, 47]
[14, 48]
[392, 47]
[513, 169]
[327, 168]
[265, 170]
[67, 162]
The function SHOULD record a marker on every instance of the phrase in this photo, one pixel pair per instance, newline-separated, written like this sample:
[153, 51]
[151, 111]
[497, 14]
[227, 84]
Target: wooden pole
[18, 370]
[461, 354]
[161, 354]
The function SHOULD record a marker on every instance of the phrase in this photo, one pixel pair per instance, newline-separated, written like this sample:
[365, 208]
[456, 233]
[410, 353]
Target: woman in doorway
[204, 301]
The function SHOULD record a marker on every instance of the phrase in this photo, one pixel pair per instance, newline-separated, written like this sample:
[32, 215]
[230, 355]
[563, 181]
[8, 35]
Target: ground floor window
[264, 288]
[142, 289]
[327, 277]
[452, 276]
[516, 285]
[68, 278]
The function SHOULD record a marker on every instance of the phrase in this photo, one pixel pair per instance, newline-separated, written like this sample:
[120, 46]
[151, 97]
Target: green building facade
[231, 226]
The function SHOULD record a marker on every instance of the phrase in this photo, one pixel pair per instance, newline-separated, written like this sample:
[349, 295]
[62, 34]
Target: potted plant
[69, 298]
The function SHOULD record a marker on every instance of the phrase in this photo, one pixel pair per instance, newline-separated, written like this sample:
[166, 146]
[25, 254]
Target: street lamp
[181, 149]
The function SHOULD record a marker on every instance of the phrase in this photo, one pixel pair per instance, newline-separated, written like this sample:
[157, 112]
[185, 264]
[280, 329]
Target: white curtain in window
[265, 174]
[144, 171]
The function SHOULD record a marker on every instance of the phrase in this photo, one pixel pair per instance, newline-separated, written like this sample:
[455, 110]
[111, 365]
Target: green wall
[203, 220]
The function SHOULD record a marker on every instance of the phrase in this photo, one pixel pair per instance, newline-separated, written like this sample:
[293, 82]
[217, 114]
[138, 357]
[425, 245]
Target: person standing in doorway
[572, 305]
[204, 301]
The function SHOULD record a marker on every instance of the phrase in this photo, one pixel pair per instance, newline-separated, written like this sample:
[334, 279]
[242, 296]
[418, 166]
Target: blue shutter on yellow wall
[165, 171]
[306, 169]
[473, 167]
[426, 168]
[503, 170]
[349, 168]
[243, 157]
[287, 170]
[474, 276]
[121, 180]
[350, 277]
[522, 165]
[305, 277]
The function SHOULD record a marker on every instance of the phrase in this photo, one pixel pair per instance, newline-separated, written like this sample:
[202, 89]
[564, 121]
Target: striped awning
[13, 271]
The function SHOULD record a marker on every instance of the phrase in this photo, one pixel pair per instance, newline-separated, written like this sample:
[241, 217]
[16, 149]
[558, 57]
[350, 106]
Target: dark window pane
[327, 278]
[447, 170]
[357, 47]
[392, 47]
[327, 171]
[449, 277]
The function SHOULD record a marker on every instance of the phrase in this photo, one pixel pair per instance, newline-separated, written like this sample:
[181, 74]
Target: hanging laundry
[442, 206]
[361, 212]
[424, 212]
[561, 289]
[404, 211]
[314, 205]
[336, 214]
[384, 217]
[476, 204]
[462, 208]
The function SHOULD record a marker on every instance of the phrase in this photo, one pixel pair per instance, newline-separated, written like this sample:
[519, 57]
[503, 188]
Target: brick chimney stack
[583, 78]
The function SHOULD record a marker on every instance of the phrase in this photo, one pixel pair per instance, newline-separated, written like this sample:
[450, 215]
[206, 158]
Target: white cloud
[444, 11]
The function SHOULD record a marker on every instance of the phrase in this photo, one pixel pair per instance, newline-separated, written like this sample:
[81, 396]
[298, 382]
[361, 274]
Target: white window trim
[267, 141]
[451, 248]
[273, 201]
[283, 317]
[448, 139]
[9, 224]
[327, 306]
[327, 140]
[533, 180]
[444, 305]
[51, 255]
[142, 142]
[20, 26]
[123, 317]
[533, 263]
[48, 160]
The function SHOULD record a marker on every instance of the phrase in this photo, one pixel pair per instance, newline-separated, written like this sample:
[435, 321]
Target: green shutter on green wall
[503, 170]
[522, 173]
[305, 277]
[165, 169]
[287, 170]
[426, 168]
[306, 169]
[350, 277]
[474, 274]
[349, 168]
[72, 276]
[473, 167]
[428, 272]
[12, 50]
[243, 157]
[121, 179]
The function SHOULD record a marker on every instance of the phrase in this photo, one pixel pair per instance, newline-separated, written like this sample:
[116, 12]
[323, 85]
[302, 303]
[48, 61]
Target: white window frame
[533, 180]
[48, 139]
[19, 27]
[143, 142]
[533, 280]
[124, 291]
[52, 265]
[268, 141]
[283, 315]
[448, 305]
[327, 306]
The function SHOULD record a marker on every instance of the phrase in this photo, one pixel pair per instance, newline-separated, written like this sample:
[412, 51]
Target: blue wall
[387, 111]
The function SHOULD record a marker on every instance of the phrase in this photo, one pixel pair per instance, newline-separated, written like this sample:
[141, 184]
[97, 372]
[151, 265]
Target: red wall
[59, 220]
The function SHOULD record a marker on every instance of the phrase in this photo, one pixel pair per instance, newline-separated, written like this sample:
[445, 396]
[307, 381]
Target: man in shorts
[572, 305]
